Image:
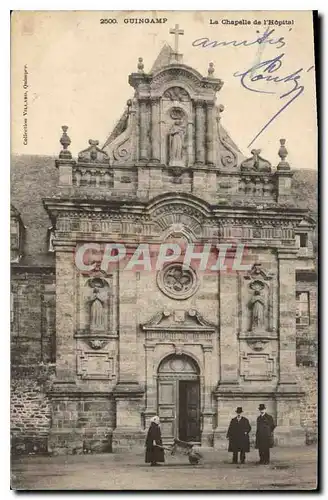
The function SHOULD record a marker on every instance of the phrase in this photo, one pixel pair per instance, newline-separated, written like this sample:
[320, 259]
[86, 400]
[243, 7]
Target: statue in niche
[177, 133]
[257, 311]
[97, 314]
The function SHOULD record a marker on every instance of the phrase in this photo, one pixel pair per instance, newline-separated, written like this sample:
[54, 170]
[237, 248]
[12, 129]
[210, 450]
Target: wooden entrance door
[167, 396]
[189, 409]
[179, 399]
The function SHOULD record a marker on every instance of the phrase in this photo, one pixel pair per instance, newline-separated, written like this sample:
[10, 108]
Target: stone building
[95, 354]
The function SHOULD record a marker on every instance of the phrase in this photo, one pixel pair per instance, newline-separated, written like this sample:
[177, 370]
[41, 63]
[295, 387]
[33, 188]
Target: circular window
[177, 282]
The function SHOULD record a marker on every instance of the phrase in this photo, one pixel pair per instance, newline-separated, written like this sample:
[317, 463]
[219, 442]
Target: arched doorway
[178, 398]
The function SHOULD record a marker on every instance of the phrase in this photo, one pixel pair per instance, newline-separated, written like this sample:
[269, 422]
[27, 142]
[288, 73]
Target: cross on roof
[176, 32]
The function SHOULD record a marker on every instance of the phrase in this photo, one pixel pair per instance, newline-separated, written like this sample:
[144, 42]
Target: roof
[33, 178]
[305, 190]
[163, 58]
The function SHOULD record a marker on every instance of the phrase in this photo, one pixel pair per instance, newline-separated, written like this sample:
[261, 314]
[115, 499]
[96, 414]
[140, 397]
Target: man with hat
[237, 434]
[264, 435]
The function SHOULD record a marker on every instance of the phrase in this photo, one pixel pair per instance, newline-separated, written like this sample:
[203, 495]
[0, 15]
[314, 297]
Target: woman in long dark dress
[154, 454]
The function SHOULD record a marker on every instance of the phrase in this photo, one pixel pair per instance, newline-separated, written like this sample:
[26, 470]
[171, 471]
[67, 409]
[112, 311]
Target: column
[63, 435]
[210, 160]
[208, 349]
[287, 315]
[190, 143]
[289, 430]
[127, 392]
[229, 352]
[200, 133]
[150, 410]
[143, 124]
[65, 314]
[208, 413]
[155, 131]
[127, 327]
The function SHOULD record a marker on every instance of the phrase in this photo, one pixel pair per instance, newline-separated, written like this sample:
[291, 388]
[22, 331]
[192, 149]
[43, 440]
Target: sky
[77, 75]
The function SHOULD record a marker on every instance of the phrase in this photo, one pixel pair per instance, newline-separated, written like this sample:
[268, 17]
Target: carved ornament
[93, 154]
[256, 163]
[176, 94]
[176, 282]
[178, 320]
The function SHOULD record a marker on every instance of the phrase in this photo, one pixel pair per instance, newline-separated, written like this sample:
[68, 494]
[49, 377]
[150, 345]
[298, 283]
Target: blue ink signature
[265, 38]
[265, 72]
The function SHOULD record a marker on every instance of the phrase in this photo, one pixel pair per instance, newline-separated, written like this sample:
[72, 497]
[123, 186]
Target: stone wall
[82, 423]
[307, 360]
[30, 408]
[308, 380]
[32, 360]
[32, 318]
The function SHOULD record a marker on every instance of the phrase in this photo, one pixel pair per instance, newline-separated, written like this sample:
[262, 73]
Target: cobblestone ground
[290, 468]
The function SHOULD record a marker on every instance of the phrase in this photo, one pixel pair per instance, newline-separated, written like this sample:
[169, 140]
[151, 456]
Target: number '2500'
[108, 21]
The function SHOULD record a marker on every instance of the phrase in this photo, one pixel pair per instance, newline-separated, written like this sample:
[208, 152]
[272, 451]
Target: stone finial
[210, 69]
[65, 141]
[283, 153]
[140, 65]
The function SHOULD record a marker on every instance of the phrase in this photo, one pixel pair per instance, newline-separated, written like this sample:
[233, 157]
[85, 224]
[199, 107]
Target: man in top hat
[264, 435]
[237, 434]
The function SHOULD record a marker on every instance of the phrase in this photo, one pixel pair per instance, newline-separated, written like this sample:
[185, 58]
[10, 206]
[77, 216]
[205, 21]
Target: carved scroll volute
[123, 148]
[228, 156]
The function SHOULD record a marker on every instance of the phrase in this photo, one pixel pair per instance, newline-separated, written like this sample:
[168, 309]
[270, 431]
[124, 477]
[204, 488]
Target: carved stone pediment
[178, 320]
[93, 154]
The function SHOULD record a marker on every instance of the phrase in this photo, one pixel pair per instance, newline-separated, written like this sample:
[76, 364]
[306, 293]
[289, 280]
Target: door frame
[177, 378]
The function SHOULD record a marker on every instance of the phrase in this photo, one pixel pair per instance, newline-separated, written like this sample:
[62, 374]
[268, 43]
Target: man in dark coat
[154, 453]
[264, 435]
[238, 435]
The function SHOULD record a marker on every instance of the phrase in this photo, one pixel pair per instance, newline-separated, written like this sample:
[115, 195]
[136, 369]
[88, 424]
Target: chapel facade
[185, 344]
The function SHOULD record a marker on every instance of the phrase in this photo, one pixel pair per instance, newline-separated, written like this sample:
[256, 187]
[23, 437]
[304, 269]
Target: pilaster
[150, 409]
[200, 133]
[65, 314]
[287, 315]
[155, 131]
[210, 160]
[208, 413]
[229, 351]
[128, 393]
[143, 124]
